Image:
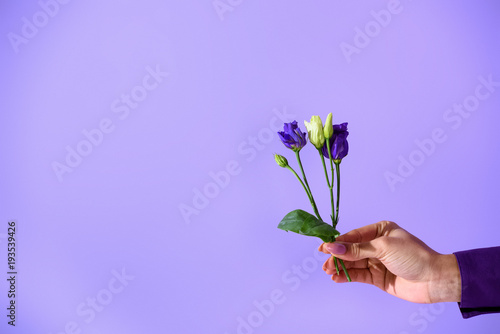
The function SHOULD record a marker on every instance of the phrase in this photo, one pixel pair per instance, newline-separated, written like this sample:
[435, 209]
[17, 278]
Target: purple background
[229, 75]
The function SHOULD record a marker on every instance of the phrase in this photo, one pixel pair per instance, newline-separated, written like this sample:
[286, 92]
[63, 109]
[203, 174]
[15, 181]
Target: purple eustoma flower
[292, 137]
[338, 142]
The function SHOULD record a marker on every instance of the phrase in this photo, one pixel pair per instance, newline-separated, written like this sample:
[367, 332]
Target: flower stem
[337, 167]
[345, 270]
[303, 173]
[300, 180]
[309, 195]
[334, 223]
[324, 167]
[334, 216]
[330, 185]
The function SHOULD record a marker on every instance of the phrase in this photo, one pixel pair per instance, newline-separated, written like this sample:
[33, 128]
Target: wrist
[445, 284]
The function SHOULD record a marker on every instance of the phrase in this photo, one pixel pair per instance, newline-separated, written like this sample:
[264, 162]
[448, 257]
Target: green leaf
[302, 222]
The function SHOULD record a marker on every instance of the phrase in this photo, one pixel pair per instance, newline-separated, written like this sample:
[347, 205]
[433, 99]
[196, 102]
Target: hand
[387, 256]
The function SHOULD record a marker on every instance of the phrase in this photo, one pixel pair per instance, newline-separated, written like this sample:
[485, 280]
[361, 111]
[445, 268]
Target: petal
[287, 127]
[317, 121]
[340, 127]
[307, 125]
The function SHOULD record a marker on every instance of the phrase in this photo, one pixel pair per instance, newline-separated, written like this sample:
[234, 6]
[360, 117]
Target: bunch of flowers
[331, 142]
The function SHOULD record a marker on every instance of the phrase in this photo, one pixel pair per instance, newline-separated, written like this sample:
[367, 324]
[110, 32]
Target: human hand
[387, 256]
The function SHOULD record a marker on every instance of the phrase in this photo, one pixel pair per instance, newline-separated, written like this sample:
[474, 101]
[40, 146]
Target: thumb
[353, 251]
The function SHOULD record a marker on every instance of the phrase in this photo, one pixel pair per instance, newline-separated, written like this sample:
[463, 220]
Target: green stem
[334, 223]
[303, 173]
[334, 216]
[345, 270]
[300, 180]
[324, 167]
[313, 203]
[330, 185]
[337, 167]
[311, 199]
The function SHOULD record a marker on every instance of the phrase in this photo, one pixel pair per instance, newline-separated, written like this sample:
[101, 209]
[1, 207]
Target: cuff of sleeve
[480, 276]
[472, 312]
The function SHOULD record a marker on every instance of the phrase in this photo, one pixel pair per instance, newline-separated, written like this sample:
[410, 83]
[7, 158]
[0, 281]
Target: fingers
[370, 241]
[360, 268]
[368, 232]
[321, 248]
[330, 248]
[358, 271]
[358, 251]
[356, 275]
[329, 265]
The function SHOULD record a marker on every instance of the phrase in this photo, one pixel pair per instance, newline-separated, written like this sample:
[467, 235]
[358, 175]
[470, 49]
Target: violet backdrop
[165, 100]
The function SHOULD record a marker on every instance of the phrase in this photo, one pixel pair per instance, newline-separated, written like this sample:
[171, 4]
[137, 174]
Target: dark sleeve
[480, 274]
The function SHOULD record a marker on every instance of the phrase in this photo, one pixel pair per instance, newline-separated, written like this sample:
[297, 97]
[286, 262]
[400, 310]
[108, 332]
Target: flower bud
[281, 160]
[328, 129]
[315, 130]
[292, 137]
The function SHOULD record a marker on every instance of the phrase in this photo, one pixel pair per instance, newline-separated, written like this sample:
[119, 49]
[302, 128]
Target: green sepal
[302, 222]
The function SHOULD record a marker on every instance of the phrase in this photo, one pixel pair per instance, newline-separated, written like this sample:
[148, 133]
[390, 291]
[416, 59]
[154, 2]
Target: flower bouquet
[331, 142]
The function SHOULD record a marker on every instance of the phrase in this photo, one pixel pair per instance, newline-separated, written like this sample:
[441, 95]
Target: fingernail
[336, 248]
